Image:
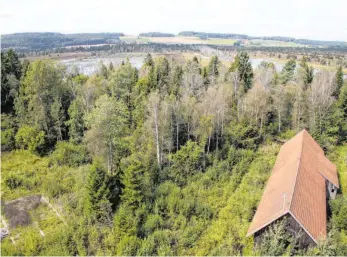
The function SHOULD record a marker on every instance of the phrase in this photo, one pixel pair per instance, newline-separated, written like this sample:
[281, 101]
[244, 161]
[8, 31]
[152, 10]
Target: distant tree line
[48, 40]
[277, 38]
[212, 35]
[156, 34]
[43, 43]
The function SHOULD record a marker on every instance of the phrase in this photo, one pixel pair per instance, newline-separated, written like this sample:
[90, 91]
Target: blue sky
[311, 19]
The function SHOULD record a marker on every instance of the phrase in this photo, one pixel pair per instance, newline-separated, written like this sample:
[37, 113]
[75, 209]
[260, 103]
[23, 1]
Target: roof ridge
[297, 171]
[302, 226]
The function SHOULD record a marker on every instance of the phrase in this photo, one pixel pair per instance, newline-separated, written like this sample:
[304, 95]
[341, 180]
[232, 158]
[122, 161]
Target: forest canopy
[168, 159]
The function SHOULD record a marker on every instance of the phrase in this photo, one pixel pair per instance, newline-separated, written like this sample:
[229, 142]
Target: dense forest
[168, 159]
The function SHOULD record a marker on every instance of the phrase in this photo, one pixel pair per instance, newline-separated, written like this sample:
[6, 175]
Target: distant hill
[156, 34]
[34, 41]
[212, 35]
[42, 41]
[205, 35]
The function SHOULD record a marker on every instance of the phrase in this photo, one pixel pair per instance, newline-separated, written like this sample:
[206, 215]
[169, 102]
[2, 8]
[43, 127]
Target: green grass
[24, 173]
[37, 176]
[273, 43]
[211, 41]
[339, 157]
[134, 39]
[178, 40]
[220, 41]
[45, 218]
[27, 169]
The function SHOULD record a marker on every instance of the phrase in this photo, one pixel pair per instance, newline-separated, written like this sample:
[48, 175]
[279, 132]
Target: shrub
[275, 240]
[128, 246]
[339, 212]
[152, 223]
[13, 181]
[67, 153]
[7, 133]
[30, 138]
[186, 162]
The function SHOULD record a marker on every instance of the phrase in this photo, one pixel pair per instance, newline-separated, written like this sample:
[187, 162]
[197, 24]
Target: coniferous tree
[152, 79]
[177, 80]
[11, 72]
[287, 73]
[58, 117]
[342, 109]
[76, 122]
[98, 205]
[132, 179]
[243, 67]
[307, 72]
[342, 101]
[213, 68]
[339, 81]
[122, 83]
[205, 77]
[148, 60]
[110, 67]
[162, 70]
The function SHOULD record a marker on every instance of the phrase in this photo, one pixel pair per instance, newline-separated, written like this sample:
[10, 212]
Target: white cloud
[296, 18]
[5, 14]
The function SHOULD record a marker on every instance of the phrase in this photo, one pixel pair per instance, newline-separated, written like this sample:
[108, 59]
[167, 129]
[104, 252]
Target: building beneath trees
[302, 180]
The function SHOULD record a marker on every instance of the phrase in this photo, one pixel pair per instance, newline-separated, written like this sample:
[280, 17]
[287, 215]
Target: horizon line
[175, 34]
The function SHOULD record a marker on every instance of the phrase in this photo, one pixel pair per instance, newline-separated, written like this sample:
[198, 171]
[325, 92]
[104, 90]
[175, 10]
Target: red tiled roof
[297, 186]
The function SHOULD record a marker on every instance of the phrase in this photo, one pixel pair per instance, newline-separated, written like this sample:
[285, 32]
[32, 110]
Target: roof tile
[297, 186]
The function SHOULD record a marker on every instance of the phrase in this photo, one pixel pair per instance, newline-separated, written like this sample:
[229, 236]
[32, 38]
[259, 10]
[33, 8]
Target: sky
[309, 19]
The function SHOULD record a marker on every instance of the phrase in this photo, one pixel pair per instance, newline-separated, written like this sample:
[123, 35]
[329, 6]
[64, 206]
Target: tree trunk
[208, 146]
[157, 134]
[109, 159]
[177, 132]
[279, 121]
[217, 130]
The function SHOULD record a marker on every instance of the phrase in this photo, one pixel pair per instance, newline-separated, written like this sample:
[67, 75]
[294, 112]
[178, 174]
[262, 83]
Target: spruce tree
[98, 205]
[177, 80]
[342, 105]
[339, 81]
[213, 68]
[205, 77]
[342, 101]
[287, 73]
[307, 72]
[11, 72]
[76, 122]
[131, 179]
[243, 66]
[149, 60]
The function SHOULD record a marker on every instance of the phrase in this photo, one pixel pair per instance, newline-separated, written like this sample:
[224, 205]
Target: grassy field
[210, 41]
[273, 43]
[179, 40]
